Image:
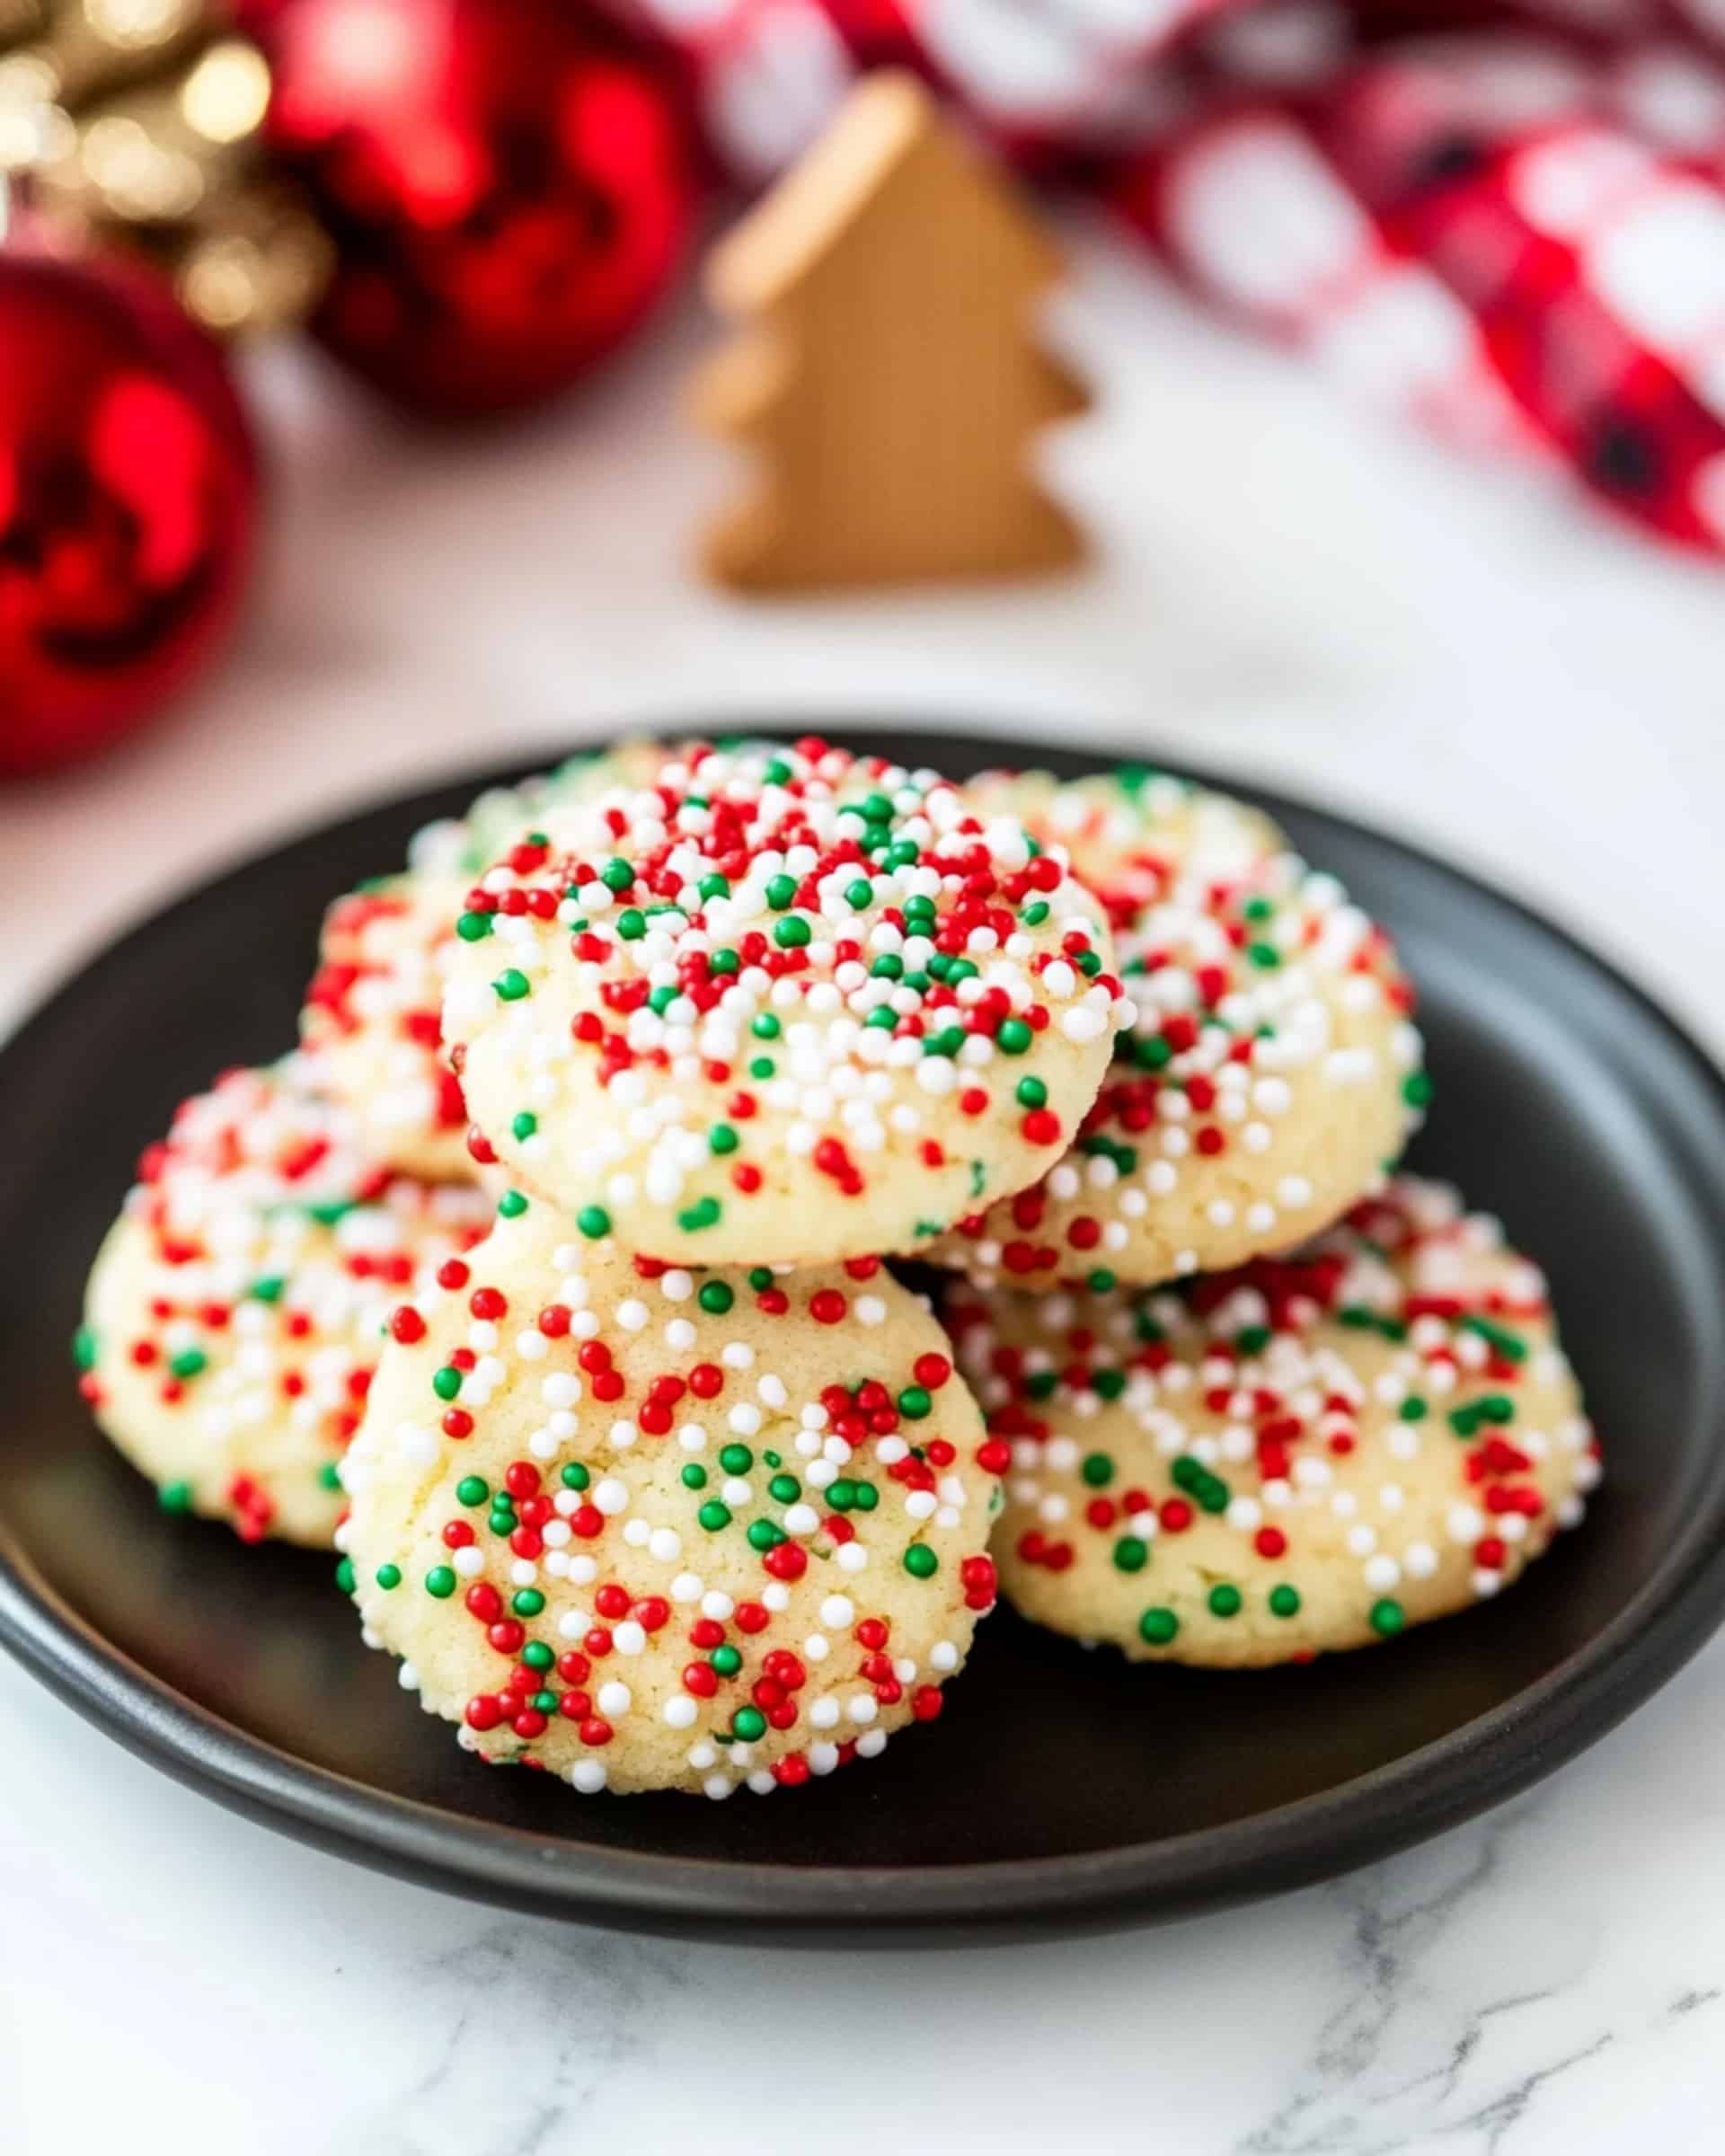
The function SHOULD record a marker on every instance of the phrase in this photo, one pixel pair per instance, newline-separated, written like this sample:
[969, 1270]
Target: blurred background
[1401, 483]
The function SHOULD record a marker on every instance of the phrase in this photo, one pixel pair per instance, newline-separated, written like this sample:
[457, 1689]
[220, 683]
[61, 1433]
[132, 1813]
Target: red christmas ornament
[506, 182]
[128, 503]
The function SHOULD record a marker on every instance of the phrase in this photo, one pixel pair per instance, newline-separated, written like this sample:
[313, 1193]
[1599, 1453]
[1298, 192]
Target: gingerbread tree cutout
[888, 374]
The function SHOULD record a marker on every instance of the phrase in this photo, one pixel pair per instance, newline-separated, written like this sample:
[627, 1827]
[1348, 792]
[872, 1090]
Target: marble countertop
[1286, 588]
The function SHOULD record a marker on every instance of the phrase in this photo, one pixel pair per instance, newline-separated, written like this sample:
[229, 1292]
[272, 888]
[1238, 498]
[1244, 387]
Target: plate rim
[1469, 1770]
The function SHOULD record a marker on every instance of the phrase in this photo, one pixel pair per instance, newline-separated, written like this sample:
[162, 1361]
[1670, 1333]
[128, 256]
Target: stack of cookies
[549, 1280]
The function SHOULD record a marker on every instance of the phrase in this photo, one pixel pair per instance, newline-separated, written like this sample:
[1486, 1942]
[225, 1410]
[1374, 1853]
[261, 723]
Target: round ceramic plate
[1061, 1787]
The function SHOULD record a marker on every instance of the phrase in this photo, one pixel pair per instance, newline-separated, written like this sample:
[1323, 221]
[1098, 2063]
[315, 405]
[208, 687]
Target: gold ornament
[139, 122]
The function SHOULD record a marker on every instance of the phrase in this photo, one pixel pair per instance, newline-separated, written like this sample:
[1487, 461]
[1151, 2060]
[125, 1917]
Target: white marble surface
[1287, 589]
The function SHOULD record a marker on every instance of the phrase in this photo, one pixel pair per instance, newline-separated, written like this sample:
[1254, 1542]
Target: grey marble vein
[535, 2021]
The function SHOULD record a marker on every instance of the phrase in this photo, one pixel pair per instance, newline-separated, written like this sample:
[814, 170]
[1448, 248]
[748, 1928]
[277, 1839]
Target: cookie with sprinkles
[371, 1026]
[371, 1023]
[783, 1005]
[235, 1311]
[1309, 1452]
[647, 1528]
[1270, 1075]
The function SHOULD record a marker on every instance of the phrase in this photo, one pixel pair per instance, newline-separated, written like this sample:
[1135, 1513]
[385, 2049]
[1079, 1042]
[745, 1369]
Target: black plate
[1060, 1789]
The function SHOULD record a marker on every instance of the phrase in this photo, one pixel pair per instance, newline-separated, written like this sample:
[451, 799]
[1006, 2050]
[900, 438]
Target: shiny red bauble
[128, 503]
[508, 185]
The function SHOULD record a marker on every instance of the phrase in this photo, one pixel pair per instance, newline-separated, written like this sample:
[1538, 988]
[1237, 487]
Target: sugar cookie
[785, 1005]
[1309, 1454]
[651, 1529]
[235, 1313]
[1271, 1074]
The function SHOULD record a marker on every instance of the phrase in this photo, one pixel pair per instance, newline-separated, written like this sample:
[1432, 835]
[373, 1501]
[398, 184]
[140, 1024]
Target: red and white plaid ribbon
[1506, 221]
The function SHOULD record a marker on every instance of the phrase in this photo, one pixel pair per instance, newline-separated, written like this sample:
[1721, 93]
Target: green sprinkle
[703, 1214]
[713, 1516]
[537, 1655]
[574, 1475]
[1416, 1090]
[888, 967]
[511, 985]
[593, 1221]
[511, 1206]
[714, 885]
[190, 1362]
[472, 1489]
[792, 933]
[1283, 1602]
[1031, 1092]
[784, 1490]
[921, 1562]
[736, 1459]
[445, 1383]
[781, 892]
[472, 928]
[1035, 914]
[616, 875]
[913, 1402]
[723, 962]
[174, 1497]
[524, 1125]
[1014, 1037]
[1224, 1600]
[1264, 955]
[344, 1576]
[1131, 1553]
[526, 1602]
[1158, 1626]
[267, 1290]
[748, 1723]
[1510, 1345]
[763, 1535]
[1414, 1409]
[1388, 1618]
[762, 1066]
[760, 1277]
[1098, 1468]
[715, 1297]
[721, 1139]
[725, 1661]
[695, 1476]
[765, 1026]
[389, 1577]
[632, 924]
[441, 1582]
[858, 895]
[329, 1476]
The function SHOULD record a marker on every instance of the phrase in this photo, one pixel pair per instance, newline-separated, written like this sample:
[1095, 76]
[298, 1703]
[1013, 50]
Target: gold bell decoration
[139, 123]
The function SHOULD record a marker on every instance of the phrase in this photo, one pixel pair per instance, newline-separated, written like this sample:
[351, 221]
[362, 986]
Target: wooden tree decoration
[888, 374]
